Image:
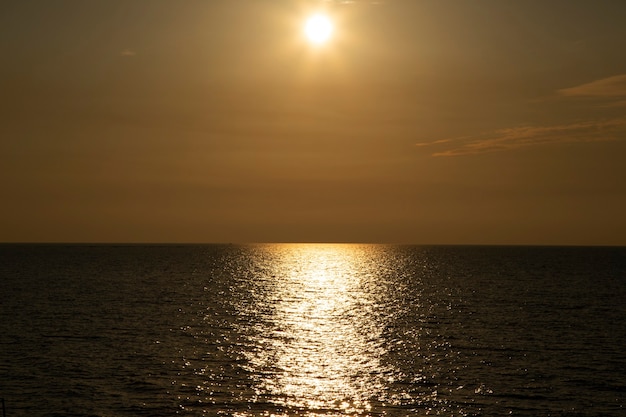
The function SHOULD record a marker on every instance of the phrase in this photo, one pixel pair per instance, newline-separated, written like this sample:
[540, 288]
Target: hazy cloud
[607, 88]
[610, 91]
[525, 136]
[128, 52]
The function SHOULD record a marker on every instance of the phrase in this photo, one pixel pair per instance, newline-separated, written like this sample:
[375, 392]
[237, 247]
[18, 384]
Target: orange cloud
[610, 91]
[526, 136]
[607, 88]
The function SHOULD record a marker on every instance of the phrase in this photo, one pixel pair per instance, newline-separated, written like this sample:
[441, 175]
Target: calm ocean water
[312, 330]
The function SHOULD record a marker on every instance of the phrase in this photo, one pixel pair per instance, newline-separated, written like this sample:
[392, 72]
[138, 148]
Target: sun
[318, 29]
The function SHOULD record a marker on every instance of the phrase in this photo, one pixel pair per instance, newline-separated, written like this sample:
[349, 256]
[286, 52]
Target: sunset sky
[418, 121]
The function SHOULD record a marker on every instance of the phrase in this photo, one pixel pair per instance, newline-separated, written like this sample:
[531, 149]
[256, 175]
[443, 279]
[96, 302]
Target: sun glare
[318, 29]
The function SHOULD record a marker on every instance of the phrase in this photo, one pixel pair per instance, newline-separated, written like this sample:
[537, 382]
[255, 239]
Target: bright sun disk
[318, 29]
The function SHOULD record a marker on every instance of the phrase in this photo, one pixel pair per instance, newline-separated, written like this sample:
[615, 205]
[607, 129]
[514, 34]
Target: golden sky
[418, 121]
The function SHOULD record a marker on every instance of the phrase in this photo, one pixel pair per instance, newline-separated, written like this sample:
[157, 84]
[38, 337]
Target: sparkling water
[312, 330]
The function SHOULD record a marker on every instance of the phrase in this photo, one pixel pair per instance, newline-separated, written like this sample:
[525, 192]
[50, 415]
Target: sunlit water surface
[312, 330]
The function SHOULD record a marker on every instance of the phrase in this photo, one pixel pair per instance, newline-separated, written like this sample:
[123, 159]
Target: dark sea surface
[312, 330]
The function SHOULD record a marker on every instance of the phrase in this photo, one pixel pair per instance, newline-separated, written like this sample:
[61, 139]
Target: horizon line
[165, 243]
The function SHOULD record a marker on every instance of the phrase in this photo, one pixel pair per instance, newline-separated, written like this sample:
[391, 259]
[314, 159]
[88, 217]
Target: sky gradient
[421, 121]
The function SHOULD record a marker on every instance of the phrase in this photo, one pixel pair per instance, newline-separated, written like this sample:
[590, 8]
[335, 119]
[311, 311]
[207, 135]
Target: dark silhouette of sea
[312, 330]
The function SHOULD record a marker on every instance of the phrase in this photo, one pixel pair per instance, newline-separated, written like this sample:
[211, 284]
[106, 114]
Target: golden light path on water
[319, 346]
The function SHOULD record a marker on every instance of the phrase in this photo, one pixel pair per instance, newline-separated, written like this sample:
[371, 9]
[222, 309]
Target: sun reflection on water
[321, 330]
[318, 347]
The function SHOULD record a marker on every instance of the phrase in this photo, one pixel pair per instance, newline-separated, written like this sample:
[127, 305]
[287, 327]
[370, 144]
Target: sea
[312, 330]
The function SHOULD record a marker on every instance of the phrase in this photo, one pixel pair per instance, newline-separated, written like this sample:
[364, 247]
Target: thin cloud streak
[610, 87]
[526, 136]
[610, 91]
